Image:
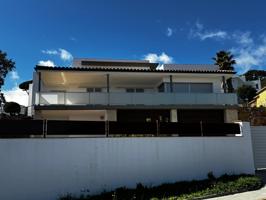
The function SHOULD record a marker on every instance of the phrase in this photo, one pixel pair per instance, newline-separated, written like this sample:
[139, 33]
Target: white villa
[132, 90]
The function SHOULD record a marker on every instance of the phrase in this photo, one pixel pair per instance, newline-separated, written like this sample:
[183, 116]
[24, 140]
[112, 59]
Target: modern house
[132, 90]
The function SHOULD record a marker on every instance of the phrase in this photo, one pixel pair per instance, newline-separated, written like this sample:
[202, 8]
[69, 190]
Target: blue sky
[185, 31]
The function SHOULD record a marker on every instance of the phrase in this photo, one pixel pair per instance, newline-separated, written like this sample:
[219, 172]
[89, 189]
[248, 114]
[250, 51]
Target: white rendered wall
[42, 169]
[258, 134]
[81, 115]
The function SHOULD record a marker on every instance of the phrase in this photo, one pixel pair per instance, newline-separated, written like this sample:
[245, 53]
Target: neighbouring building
[239, 81]
[260, 99]
[131, 90]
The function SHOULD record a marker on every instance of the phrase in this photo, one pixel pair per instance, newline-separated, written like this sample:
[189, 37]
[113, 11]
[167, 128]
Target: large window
[187, 87]
[200, 87]
[94, 89]
[132, 90]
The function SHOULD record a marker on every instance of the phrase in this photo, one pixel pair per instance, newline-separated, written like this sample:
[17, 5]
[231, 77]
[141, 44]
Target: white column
[173, 115]
[111, 115]
[231, 115]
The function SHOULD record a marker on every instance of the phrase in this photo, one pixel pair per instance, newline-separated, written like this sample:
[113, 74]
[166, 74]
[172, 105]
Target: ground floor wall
[80, 115]
[43, 169]
[144, 115]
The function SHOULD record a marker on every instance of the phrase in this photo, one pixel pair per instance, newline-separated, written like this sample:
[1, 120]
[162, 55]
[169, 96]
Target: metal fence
[60, 128]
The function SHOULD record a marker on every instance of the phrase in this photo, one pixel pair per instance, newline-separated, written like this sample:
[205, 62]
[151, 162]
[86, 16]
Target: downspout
[224, 84]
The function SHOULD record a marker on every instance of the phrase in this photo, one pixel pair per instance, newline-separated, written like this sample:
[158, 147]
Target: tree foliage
[254, 74]
[12, 108]
[6, 65]
[246, 92]
[225, 61]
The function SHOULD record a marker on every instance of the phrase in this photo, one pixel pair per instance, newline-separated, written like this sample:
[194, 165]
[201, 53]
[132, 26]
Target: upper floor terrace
[123, 86]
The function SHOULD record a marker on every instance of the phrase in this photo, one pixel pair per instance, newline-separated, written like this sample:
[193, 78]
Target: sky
[53, 32]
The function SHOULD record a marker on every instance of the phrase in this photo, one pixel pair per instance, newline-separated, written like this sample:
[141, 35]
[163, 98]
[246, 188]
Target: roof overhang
[102, 69]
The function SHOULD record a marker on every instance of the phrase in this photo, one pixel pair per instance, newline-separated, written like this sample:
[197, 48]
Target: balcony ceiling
[83, 79]
[98, 79]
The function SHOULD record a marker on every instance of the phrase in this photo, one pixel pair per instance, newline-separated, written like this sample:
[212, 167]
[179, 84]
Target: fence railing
[58, 128]
[123, 98]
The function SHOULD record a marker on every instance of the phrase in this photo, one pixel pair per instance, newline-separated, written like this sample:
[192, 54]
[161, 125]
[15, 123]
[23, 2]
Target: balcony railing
[151, 99]
[66, 128]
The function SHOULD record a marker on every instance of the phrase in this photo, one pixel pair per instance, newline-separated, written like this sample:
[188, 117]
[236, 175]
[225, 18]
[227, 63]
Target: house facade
[131, 91]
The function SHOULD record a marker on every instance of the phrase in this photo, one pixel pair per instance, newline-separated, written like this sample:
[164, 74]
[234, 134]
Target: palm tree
[225, 61]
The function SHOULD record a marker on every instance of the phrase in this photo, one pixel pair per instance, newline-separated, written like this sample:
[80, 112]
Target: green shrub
[181, 190]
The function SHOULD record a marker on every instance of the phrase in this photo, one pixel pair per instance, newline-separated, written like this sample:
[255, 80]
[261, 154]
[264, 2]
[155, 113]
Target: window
[90, 89]
[139, 90]
[97, 89]
[130, 90]
[181, 87]
[187, 87]
[200, 87]
[161, 88]
[94, 89]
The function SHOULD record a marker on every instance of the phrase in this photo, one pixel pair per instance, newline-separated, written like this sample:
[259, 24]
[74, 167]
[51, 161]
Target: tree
[12, 108]
[246, 92]
[6, 65]
[225, 61]
[254, 74]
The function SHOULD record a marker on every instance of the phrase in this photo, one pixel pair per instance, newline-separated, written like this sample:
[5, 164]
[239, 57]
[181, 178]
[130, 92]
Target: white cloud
[50, 52]
[14, 75]
[73, 39]
[48, 63]
[169, 32]
[198, 25]
[215, 34]
[198, 31]
[163, 58]
[65, 55]
[62, 53]
[16, 95]
[242, 38]
[249, 53]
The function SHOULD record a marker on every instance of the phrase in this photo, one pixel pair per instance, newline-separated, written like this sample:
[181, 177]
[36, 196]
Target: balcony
[123, 99]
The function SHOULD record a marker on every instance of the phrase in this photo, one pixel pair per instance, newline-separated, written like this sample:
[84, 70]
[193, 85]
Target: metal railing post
[157, 128]
[45, 128]
[201, 129]
[107, 128]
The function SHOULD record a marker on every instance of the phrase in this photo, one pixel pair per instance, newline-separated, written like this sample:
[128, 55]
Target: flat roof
[87, 62]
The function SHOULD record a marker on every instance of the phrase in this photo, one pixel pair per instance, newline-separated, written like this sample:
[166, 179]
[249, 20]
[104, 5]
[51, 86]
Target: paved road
[253, 195]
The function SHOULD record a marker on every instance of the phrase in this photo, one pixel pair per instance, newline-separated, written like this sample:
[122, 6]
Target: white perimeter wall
[42, 169]
[258, 134]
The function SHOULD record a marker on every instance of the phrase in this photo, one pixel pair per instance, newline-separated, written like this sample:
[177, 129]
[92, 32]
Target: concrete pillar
[173, 115]
[171, 83]
[230, 115]
[111, 115]
[108, 82]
